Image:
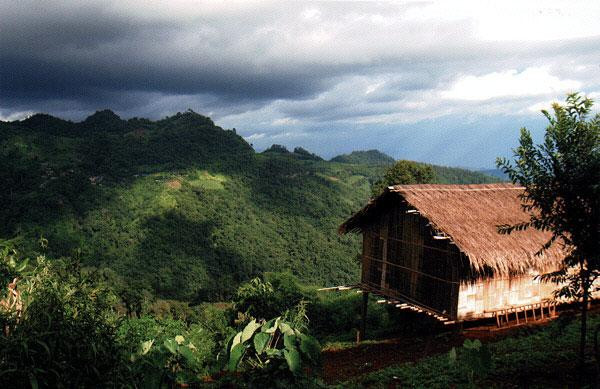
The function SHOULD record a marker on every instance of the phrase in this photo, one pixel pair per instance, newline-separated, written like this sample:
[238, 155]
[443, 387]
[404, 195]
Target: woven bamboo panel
[480, 298]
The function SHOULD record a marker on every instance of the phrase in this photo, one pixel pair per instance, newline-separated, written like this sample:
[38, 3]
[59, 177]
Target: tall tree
[404, 172]
[561, 177]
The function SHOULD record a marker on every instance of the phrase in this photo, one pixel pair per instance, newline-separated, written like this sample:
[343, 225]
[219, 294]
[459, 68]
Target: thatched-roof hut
[437, 247]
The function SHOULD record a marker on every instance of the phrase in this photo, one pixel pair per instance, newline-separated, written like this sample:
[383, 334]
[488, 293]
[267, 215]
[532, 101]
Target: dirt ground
[343, 364]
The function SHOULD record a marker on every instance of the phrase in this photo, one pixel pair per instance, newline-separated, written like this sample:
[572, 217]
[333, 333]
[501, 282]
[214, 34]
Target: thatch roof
[470, 216]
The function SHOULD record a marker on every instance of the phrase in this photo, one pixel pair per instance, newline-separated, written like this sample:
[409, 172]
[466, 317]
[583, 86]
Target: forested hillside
[180, 207]
[368, 157]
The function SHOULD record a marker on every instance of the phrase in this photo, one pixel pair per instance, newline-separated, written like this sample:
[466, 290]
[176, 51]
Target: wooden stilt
[525, 312]
[533, 310]
[363, 318]
[517, 315]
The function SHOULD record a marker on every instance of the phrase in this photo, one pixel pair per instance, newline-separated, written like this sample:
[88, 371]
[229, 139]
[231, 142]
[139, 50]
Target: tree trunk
[584, 309]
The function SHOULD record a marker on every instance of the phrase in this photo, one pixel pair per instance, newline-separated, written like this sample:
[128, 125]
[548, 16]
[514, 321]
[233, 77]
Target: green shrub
[177, 359]
[66, 336]
[271, 296]
[273, 354]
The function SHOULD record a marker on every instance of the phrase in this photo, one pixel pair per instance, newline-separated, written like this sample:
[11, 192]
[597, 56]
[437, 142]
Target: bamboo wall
[402, 260]
[481, 298]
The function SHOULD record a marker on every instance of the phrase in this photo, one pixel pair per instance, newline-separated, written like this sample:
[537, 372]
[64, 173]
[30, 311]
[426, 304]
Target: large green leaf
[289, 341]
[146, 346]
[188, 354]
[292, 358]
[272, 329]
[235, 356]
[171, 345]
[310, 347]
[260, 342]
[286, 328]
[249, 330]
[236, 340]
[267, 326]
[273, 352]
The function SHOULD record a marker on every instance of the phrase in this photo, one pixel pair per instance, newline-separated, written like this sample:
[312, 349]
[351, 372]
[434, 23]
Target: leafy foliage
[562, 194]
[66, 335]
[402, 173]
[474, 357]
[273, 353]
[177, 359]
[271, 295]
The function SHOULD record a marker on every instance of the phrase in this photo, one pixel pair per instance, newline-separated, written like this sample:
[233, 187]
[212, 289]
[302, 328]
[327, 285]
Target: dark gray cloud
[297, 69]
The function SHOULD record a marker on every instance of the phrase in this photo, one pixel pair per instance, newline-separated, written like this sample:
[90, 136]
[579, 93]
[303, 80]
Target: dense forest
[181, 206]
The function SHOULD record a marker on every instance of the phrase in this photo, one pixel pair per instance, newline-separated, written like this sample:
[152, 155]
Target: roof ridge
[401, 188]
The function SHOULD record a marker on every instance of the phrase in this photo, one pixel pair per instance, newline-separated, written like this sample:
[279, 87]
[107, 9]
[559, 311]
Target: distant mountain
[298, 152]
[182, 207]
[495, 173]
[368, 157]
[454, 175]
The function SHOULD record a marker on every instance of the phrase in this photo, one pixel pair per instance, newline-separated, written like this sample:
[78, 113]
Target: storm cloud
[315, 74]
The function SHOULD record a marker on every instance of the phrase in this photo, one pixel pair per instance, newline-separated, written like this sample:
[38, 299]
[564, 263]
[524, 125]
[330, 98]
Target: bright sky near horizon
[447, 82]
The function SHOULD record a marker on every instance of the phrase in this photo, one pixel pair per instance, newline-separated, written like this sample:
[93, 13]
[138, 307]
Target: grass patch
[207, 181]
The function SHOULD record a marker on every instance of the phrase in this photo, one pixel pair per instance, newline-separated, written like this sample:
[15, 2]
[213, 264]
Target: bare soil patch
[174, 184]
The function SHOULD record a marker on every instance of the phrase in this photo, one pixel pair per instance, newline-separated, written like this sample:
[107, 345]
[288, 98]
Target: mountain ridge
[180, 207]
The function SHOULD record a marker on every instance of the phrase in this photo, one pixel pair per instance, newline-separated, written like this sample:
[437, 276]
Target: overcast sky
[443, 82]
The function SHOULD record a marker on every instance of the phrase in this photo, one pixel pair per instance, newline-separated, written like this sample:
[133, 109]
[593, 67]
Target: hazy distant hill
[495, 173]
[180, 206]
[368, 157]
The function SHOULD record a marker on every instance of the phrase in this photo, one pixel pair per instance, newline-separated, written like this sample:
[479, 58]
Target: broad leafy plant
[273, 351]
[174, 360]
[474, 358]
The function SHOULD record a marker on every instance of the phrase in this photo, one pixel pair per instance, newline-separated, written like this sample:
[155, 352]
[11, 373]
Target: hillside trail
[347, 363]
